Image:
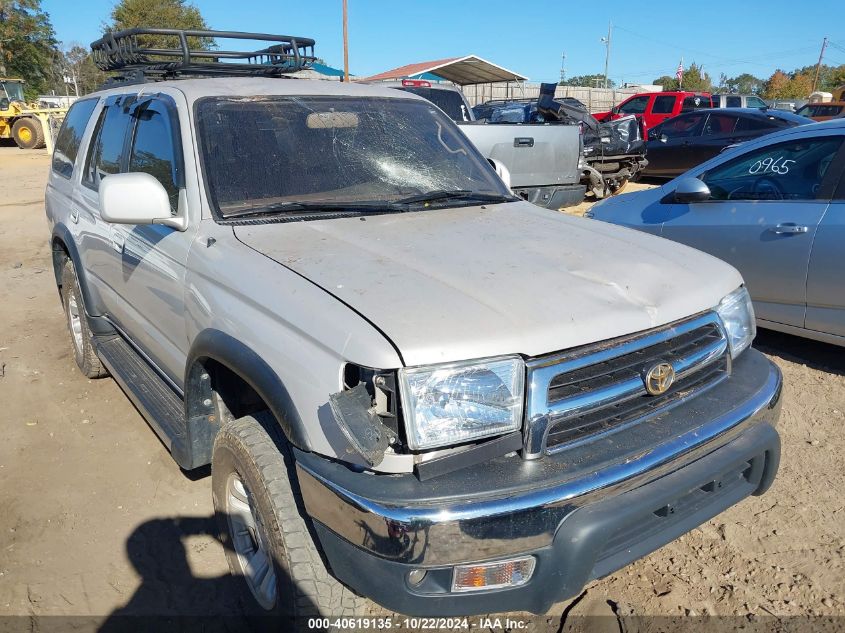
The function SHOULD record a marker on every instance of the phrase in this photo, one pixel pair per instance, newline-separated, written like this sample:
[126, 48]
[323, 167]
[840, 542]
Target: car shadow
[171, 597]
[797, 349]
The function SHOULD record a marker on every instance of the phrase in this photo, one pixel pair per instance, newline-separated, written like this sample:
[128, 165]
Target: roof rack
[125, 53]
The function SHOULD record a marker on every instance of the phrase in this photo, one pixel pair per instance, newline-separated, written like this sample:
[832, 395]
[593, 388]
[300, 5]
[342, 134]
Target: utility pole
[606, 42]
[819, 65]
[345, 45]
[563, 68]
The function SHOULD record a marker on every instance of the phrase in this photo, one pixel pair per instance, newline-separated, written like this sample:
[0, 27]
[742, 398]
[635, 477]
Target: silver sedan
[775, 209]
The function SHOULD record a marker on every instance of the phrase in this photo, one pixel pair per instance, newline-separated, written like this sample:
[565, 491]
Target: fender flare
[212, 344]
[97, 322]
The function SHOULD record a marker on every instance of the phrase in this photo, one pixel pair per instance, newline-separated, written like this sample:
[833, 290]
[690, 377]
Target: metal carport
[469, 70]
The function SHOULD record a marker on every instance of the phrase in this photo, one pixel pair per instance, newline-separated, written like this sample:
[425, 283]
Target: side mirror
[691, 190]
[4, 103]
[134, 198]
[502, 171]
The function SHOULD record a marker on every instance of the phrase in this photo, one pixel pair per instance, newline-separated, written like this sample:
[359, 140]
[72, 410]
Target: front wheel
[28, 134]
[263, 525]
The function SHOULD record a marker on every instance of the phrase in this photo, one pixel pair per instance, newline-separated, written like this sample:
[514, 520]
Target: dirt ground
[96, 518]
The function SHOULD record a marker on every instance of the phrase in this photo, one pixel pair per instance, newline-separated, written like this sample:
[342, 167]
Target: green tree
[796, 85]
[173, 14]
[745, 83]
[668, 83]
[835, 78]
[78, 65]
[695, 79]
[830, 77]
[28, 46]
[590, 81]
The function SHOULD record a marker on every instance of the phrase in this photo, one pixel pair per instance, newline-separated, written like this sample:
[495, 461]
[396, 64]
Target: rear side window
[664, 104]
[733, 102]
[683, 126]
[70, 136]
[105, 155]
[719, 124]
[156, 150]
[755, 124]
[695, 102]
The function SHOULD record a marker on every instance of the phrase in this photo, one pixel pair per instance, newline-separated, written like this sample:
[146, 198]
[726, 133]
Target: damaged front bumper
[578, 520]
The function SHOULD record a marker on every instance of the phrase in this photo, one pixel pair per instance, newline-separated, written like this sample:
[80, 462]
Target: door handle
[789, 228]
[523, 141]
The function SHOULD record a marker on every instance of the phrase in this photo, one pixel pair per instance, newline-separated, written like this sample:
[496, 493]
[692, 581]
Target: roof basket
[126, 53]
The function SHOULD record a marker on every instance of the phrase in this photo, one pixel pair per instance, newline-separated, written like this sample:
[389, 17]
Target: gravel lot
[95, 517]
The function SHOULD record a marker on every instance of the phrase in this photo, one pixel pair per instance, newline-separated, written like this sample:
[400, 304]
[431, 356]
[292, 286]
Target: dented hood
[473, 282]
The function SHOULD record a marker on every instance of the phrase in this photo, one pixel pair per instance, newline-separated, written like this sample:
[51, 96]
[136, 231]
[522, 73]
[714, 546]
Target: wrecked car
[485, 110]
[411, 385]
[614, 151]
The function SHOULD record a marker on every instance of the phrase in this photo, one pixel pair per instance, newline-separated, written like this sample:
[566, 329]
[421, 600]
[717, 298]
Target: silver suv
[411, 386]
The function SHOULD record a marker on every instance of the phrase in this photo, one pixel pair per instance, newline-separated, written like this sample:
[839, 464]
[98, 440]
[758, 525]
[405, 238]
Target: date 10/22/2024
[488, 623]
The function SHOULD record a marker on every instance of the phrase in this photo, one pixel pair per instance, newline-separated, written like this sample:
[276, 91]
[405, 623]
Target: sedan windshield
[306, 154]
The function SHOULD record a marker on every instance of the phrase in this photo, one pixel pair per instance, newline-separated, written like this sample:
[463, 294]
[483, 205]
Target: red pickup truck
[652, 108]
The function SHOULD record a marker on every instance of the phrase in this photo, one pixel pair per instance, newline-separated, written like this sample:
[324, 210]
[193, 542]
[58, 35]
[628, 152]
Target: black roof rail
[124, 52]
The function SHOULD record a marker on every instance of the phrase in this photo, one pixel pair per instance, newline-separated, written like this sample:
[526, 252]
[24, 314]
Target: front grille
[600, 388]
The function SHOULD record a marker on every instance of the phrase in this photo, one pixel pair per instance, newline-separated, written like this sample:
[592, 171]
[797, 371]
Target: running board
[163, 409]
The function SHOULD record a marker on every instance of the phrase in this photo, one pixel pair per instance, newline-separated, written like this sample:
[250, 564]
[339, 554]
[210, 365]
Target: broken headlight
[460, 402]
[737, 316]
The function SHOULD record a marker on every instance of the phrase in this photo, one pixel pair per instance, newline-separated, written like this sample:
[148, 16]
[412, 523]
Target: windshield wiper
[454, 194]
[290, 205]
[372, 206]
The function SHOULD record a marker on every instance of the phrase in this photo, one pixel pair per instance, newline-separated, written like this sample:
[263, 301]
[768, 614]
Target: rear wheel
[28, 134]
[77, 324]
[264, 528]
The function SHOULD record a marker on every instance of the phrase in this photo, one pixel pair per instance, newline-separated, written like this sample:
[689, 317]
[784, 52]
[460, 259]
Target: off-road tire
[28, 133]
[254, 449]
[83, 347]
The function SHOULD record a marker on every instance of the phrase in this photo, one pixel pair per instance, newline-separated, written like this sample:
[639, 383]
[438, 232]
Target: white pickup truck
[544, 161]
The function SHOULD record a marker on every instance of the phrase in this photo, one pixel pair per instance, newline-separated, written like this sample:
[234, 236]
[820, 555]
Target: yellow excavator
[26, 123]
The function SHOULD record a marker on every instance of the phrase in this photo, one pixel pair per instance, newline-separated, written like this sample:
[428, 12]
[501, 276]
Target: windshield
[263, 153]
[819, 109]
[13, 90]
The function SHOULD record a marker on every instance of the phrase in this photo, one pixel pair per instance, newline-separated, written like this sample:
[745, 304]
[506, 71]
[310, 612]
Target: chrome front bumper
[511, 505]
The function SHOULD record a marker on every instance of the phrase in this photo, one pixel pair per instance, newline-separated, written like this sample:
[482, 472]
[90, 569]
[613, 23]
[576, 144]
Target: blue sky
[649, 38]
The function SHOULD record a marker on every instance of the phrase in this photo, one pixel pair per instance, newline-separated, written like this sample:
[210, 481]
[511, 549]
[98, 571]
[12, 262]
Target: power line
[836, 46]
[728, 63]
[723, 60]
